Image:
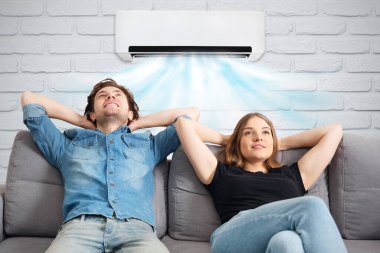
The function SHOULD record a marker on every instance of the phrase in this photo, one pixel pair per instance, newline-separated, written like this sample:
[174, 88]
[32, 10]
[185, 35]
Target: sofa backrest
[34, 193]
[354, 184]
[192, 215]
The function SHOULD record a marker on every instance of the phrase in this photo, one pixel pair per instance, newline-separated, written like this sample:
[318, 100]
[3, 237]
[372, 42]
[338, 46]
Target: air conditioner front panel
[243, 29]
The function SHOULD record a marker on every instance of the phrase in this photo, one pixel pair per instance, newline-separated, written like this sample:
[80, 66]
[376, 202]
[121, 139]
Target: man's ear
[130, 116]
[92, 116]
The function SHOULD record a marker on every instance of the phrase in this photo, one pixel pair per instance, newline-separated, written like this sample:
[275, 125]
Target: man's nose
[110, 96]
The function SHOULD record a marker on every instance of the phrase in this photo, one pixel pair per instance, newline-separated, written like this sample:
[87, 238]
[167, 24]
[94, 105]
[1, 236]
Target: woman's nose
[258, 137]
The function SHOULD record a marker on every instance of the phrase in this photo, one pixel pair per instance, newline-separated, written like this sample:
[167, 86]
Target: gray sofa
[30, 206]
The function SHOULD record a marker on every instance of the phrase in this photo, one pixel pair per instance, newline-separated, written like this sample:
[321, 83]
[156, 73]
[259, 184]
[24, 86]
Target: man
[107, 170]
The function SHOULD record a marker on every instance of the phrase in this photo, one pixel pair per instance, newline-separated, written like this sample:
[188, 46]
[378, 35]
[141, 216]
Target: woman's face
[256, 143]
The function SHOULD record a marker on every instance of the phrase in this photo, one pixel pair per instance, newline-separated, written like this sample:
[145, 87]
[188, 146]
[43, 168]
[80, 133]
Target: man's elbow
[194, 113]
[26, 98]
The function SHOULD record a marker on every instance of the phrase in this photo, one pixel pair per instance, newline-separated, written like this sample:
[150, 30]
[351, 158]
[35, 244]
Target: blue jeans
[97, 234]
[295, 225]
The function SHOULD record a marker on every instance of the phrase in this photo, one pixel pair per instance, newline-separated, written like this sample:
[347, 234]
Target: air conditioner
[195, 32]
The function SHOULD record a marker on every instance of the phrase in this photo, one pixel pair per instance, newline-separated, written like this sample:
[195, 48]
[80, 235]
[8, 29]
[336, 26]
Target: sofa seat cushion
[354, 184]
[362, 246]
[186, 246]
[25, 244]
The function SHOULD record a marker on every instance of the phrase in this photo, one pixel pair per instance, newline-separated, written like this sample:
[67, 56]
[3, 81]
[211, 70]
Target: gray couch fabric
[355, 187]
[185, 215]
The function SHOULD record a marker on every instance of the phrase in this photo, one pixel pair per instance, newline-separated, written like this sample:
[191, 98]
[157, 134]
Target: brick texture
[38, 26]
[21, 8]
[346, 8]
[8, 26]
[320, 26]
[72, 8]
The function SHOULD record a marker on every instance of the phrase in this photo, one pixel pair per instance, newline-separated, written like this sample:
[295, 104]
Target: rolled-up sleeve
[165, 143]
[46, 136]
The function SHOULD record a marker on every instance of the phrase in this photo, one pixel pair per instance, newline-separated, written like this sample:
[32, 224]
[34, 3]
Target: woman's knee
[286, 241]
[313, 205]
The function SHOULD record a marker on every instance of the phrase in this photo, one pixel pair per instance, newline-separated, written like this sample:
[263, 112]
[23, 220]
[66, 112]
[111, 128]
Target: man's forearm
[164, 118]
[207, 134]
[53, 108]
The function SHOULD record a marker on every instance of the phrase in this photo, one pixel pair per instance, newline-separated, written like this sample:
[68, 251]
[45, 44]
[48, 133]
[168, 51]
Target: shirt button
[112, 184]
[111, 172]
[111, 141]
[114, 201]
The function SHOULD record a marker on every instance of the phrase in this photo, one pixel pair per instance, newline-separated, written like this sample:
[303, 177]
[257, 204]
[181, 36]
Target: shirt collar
[122, 129]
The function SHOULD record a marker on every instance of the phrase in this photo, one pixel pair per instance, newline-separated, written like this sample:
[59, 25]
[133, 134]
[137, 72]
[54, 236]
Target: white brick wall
[61, 48]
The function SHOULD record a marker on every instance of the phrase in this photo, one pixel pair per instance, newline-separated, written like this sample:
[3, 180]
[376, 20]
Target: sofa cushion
[34, 192]
[160, 197]
[25, 244]
[355, 186]
[362, 246]
[192, 215]
[319, 188]
[186, 246]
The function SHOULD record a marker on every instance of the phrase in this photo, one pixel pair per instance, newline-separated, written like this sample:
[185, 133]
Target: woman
[259, 201]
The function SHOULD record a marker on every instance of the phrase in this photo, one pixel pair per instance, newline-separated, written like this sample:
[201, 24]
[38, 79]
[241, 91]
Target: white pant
[97, 234]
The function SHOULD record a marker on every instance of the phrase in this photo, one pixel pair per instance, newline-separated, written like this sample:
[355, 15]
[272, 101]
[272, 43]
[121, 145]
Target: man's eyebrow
[102, 92]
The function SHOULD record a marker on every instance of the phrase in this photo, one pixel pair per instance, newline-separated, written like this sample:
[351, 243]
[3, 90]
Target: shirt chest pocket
[85, 147]
[136, 146]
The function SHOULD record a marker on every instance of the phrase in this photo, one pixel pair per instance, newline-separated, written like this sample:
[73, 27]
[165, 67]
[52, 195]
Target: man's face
[111, 103]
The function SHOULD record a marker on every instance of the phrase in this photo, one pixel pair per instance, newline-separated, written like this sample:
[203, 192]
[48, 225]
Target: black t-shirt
[234, 189]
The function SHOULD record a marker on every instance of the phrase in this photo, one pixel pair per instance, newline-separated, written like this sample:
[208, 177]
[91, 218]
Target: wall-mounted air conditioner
[177, 32]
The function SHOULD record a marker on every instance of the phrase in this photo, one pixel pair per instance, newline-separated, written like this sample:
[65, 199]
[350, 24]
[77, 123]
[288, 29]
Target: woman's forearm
[207, 134]
[192, 137]
[308, 138]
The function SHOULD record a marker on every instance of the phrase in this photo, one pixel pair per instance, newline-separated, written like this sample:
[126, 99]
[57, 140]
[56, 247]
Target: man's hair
[106, 83]
[232, 154]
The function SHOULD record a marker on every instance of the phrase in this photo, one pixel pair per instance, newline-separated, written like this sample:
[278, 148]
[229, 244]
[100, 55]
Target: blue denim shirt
[102, 174]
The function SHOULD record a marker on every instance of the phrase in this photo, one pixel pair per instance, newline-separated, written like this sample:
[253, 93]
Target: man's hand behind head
[85, 123]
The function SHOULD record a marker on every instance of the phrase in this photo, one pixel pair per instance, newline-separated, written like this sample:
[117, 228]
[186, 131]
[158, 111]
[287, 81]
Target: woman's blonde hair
[232, 154]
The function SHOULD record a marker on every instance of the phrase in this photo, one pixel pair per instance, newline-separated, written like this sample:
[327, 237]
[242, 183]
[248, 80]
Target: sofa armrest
[2, 191]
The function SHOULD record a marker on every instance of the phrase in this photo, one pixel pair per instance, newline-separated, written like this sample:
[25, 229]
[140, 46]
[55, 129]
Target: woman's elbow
[337, 129]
